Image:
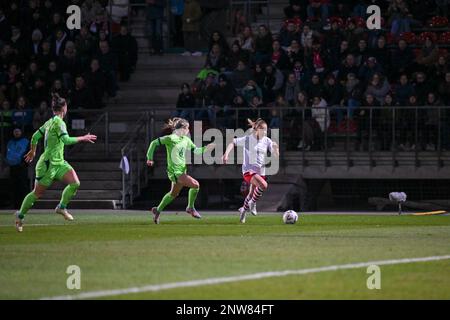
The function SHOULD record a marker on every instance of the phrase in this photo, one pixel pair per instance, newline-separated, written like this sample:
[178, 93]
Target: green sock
[68, 194]
[192, 196]
[166, 200]
[27, 203]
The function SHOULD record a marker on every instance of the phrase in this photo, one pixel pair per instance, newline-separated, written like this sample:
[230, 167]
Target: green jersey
[56, 137]
[176, 147]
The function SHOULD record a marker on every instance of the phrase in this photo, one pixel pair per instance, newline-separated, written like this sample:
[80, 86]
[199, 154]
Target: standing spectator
[108, 65]
[84, 44]
[154, 21]
[402, 58]
[399, 20]
[263, 45]
[96, 83]
[296, 9]
[59, 43]
[16, 149]
[318, 9]
[191, 27]
[125, 45]
[80, 97]
[176, 22]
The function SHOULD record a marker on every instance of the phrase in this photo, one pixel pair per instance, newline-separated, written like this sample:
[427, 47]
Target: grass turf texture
[119, 250]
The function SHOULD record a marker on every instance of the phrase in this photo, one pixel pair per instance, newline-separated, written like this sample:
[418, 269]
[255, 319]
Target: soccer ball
[290, 217]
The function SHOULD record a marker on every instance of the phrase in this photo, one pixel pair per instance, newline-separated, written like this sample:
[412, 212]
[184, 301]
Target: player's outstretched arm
[67, 140]
[230, 147]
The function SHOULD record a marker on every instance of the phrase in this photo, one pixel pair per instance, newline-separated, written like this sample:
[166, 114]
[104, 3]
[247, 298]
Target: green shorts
[173, 176]
[46, 172]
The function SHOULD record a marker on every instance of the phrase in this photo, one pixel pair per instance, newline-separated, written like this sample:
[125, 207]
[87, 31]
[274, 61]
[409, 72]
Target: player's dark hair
[57, 102]
[176, 123]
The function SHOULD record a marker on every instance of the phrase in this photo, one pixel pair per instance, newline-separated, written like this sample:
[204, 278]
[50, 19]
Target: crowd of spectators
[328, 68]
[40, 55]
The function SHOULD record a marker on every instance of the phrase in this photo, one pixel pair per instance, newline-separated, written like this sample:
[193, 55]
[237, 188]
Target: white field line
[255, 276]
[34, 225]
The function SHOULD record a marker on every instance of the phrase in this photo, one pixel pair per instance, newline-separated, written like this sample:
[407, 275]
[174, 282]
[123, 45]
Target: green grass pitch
[122, 250]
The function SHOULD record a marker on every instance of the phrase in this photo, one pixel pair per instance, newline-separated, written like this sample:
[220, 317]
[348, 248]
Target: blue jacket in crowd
[16, 150]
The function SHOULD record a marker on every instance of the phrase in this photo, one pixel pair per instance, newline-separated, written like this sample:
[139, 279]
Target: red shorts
[249, 175]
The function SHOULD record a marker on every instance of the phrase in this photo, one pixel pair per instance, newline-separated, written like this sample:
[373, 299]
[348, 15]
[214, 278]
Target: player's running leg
[243, 210]
[27, 203]
[73, 184]
[166, 200]
[259, 186]
[194, 188]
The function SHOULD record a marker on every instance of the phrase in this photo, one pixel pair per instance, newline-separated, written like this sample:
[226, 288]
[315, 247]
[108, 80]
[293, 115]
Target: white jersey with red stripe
[254, 153]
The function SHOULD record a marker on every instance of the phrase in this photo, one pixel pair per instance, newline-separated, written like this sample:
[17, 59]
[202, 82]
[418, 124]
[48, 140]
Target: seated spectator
[316, 59]
[272, 83]
[240, 76]
[378, 88]
[369, 69]
[318, 10]
[334, 36]
[38, 93]
[247, 40]
[279, 57]
[41, 115]
[6, 119]
[223, 100]
[58, 44]
[296, 9]
[250, 91]
[69, 64]
[22, 115]
[16, 149]
[84, 46]
[404, 90]
[218, 38]
[45, 56]
[352, 96]
[421, 87]
[348, 66]
[315, 87]
[429, 140]
[334, 92]
[287, 34]
[295, 53]
[205, 94]
[381, 53]
[429, 55]
[362, 54]
[236, 55]
[59, 88]
[185, 103]
[216, 59]
[239, 104]
[292, 90]
[300, 73]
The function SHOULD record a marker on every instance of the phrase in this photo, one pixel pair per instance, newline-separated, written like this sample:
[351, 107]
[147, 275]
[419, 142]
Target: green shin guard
[192, 197]
[27, 203]
[166, 200]
[68, 194]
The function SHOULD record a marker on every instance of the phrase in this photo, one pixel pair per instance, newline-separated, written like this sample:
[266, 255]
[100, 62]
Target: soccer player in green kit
[51, 164]
[177, 144]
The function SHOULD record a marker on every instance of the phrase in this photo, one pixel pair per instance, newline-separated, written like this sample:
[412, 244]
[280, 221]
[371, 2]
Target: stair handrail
[132, 151]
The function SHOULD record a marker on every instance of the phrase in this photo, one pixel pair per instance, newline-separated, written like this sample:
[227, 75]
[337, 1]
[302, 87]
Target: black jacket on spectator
[81, 98]
[185, 101]
[96, 82]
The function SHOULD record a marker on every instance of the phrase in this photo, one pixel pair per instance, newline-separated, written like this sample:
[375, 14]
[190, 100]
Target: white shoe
[252, 206]
[243, 214]
[19, 222]
[186, 54]
[197, 54]
[67, 216]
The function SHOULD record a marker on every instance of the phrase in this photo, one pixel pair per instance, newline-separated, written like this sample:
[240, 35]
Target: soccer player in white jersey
[255, 148]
